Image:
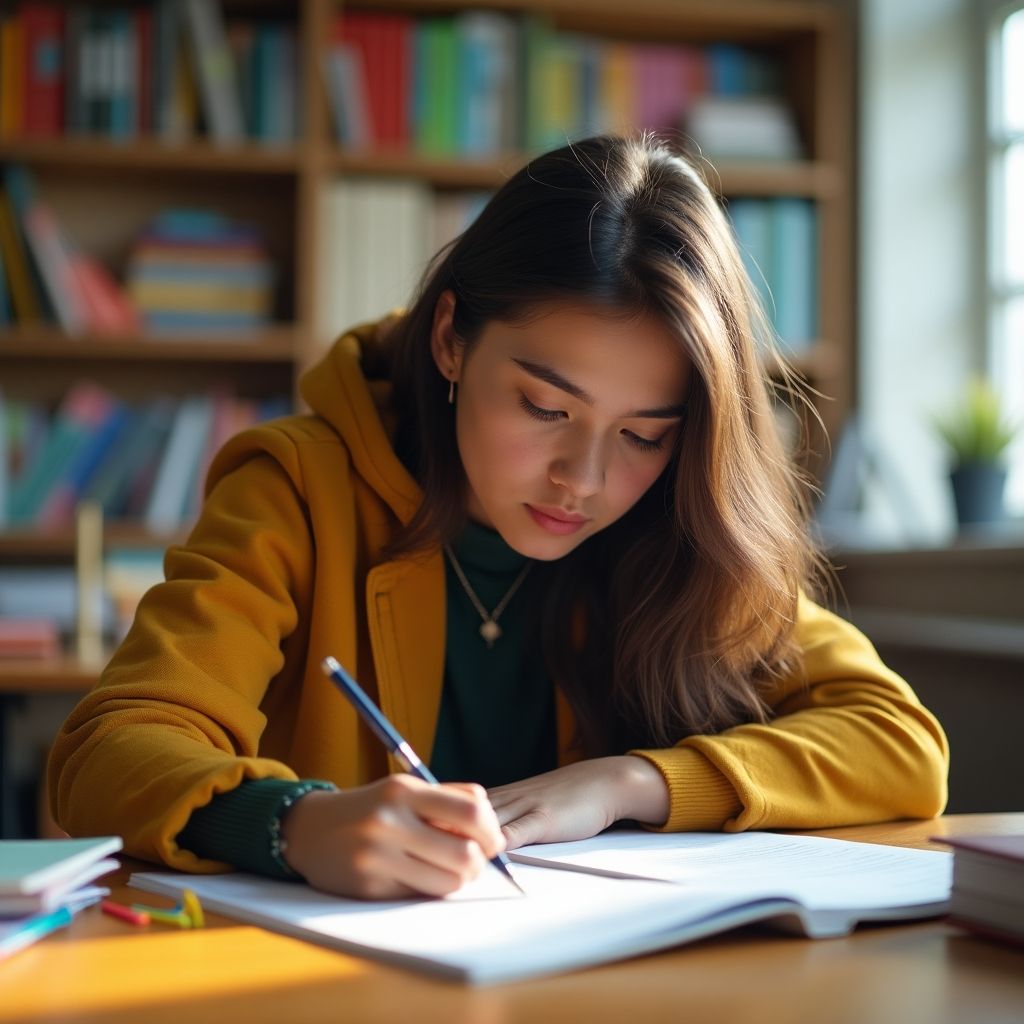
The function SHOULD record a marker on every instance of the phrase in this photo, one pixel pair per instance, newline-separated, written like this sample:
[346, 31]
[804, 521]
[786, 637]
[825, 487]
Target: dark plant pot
[978, 492]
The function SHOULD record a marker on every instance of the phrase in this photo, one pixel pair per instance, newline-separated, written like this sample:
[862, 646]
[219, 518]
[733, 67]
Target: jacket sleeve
[175, 718]
[848, 743]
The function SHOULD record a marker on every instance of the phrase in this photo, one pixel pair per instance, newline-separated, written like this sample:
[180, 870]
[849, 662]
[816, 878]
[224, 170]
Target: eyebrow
[554, 378]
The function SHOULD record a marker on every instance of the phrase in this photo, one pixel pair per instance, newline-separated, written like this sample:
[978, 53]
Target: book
[727, 127]
[23, 638]
[84, 407]
[216, 72]
[617, 895]
[794, 269]
[43, 25]
[167, 506]
[24, 299]
[988, 885]
[39, 875]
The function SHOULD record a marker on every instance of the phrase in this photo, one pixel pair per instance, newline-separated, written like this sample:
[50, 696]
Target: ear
[444, 346]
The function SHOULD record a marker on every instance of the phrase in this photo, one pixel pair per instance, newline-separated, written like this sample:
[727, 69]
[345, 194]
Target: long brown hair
[687, 602]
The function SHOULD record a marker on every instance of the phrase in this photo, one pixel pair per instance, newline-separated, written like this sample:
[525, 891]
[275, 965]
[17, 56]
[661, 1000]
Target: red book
[360, 30]
[29, 638]
[43, 69]
[108, 309]
[400, 45]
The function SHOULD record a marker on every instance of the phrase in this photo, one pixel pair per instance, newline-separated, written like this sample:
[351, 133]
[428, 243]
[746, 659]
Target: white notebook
[614, 896]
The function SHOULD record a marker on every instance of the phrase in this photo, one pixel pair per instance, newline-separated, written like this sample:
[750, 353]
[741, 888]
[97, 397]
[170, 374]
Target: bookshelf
[281, 186]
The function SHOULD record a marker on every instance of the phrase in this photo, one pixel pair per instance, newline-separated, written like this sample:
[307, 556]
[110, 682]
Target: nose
[580, 469]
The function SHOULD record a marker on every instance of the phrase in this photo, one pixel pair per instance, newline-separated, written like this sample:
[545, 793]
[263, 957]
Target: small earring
[451, 392]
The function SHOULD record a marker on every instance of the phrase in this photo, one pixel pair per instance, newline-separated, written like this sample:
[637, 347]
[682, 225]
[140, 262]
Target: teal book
[795, 271]
[752, 225]
[84, 407]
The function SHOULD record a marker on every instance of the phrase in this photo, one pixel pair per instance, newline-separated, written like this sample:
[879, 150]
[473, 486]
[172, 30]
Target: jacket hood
[350, 388]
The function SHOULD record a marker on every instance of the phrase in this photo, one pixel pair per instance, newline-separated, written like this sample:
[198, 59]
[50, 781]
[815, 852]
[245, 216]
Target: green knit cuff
[243, 826]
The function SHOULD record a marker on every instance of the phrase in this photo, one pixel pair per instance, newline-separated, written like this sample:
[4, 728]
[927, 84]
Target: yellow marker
[186, 913]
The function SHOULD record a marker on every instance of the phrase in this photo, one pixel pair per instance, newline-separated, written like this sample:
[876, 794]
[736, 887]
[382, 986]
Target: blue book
[5, 462]
[795, 271]
[752, 224]
[180, 463]
[6, 316]
[121, 44]
[727, 64]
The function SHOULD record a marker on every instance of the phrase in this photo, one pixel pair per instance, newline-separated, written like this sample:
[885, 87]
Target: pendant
[490, 631]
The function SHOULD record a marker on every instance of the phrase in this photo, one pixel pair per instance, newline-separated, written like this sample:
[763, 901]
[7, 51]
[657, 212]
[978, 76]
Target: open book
[617, 895]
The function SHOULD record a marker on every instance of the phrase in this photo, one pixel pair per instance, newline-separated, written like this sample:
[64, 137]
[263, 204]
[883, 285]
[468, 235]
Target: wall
[920, 248]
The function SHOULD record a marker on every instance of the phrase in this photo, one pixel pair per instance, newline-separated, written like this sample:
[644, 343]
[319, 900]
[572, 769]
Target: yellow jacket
[219, 681]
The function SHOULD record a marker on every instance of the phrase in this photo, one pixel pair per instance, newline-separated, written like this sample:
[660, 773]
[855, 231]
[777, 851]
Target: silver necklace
[489, 628]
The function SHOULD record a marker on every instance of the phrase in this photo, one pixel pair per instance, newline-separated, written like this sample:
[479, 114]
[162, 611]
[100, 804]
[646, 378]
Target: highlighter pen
[34, 929]
[392, 740]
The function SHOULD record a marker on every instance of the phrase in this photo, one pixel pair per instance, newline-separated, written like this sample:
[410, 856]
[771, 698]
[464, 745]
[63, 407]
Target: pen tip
[328, 665]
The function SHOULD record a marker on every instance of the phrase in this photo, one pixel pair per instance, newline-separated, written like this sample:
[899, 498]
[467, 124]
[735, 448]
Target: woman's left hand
[580, 800]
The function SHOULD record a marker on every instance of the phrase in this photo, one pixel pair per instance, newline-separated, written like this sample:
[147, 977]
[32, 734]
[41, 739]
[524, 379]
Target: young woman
[545, 520]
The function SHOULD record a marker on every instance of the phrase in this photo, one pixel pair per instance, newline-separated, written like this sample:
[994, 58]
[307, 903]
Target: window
[1005, 272]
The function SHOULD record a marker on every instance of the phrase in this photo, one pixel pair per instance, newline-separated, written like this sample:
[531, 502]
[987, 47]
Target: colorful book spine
[12, 76]
[795, 263]
[43, 28]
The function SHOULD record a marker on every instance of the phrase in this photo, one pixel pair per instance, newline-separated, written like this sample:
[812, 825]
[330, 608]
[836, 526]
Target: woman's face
[563, 423]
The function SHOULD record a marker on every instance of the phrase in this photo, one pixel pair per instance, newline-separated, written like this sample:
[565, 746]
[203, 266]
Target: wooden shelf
[808, 178]
[694, 19]
[272, 345]
[31, 543]
[153, 154]
[47, 675]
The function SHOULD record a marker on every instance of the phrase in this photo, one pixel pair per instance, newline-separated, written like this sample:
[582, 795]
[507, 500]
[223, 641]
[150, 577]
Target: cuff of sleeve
[243, 826]
[701, 798]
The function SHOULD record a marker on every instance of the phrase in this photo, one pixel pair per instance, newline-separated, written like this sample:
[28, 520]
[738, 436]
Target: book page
[486, 931]
[819, 873]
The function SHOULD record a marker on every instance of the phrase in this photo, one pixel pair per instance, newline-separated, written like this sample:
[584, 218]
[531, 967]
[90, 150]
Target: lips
[556, 520]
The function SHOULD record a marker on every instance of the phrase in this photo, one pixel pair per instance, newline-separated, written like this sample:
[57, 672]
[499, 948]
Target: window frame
[998, 291]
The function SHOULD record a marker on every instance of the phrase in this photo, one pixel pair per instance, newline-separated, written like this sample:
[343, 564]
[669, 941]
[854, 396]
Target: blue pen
[392, 739]
[33, 929]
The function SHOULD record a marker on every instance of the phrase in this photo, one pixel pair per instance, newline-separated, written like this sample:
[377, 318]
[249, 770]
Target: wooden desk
[102, 970]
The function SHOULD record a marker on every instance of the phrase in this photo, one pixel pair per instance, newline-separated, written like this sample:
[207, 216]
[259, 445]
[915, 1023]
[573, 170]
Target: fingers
[462, 808]
[531, 827]
[393, 838]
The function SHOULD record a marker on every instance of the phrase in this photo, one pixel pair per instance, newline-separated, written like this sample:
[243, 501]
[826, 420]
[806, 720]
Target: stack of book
[197, 271]
[988, 886]
[481, 83]
[45, 882]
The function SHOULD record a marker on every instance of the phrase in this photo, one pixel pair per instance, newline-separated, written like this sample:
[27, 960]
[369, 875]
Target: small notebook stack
[44, 882]
[988, 885]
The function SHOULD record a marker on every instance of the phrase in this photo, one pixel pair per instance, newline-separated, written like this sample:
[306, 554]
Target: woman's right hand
[396, 837]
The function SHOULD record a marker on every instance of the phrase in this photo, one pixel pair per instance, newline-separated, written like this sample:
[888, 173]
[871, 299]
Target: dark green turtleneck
[496, 722]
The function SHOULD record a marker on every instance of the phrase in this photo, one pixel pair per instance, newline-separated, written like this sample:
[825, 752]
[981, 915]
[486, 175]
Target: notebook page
[820, 873]
[566, 919]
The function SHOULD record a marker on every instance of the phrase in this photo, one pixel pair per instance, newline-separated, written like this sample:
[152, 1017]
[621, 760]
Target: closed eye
[645, 444]
[545, 415]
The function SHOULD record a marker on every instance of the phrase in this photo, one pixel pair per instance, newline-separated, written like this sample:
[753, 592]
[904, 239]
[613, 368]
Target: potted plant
[977, 435]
